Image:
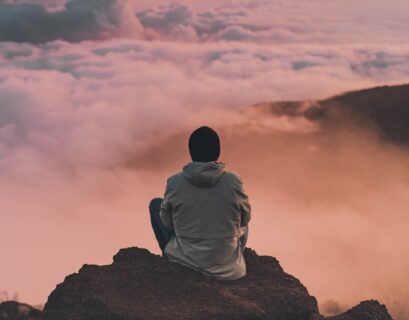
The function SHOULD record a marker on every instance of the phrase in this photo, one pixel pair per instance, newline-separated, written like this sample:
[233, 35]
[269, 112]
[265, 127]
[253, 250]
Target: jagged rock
[366, 310]
[140, 285]
[11, 310]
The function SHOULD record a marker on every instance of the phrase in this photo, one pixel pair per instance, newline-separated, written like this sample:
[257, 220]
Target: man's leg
[162, 233]
[244, 236]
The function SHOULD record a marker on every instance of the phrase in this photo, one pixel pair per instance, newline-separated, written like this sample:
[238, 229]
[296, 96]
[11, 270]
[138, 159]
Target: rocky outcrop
[366, 310]
[140, 285]
[11, 310]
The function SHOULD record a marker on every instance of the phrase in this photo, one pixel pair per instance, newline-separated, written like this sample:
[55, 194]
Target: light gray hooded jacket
[206, 205]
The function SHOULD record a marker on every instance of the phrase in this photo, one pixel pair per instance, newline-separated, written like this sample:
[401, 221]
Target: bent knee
[154, 205]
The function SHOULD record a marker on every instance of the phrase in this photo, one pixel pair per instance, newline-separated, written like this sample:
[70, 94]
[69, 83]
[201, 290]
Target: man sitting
[202, 222]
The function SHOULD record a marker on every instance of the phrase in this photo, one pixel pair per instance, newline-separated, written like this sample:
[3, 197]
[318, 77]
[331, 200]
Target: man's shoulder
[232, 176]
[174, 178]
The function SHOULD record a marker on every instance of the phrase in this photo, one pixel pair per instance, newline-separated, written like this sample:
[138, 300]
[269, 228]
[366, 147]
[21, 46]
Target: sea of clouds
[97, 99]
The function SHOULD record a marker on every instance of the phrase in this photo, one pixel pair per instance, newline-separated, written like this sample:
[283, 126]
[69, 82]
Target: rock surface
[366, 310]
[11, 310]
[140, 285]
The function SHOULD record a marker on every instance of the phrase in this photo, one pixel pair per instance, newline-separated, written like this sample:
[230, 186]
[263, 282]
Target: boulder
[12, 310]
[366, 310]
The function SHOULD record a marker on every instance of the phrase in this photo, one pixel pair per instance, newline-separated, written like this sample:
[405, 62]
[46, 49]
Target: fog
[333, 210]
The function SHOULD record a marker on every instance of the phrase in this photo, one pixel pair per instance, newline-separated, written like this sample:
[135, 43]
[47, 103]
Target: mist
[332, 209]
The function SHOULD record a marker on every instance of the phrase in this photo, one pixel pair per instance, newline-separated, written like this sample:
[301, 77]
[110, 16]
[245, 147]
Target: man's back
[206, 207]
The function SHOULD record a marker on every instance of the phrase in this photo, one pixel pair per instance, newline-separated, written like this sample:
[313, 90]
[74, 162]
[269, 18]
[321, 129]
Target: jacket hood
[203, 174]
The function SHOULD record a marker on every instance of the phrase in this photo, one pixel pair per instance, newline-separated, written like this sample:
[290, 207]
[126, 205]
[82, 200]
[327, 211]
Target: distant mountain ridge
[385, 109]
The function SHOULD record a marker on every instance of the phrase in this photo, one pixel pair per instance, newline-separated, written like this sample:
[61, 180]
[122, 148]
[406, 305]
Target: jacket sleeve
[243, 202]
[166, 208]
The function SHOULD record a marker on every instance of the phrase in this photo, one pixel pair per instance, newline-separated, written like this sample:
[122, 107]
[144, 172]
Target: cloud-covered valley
[97, 99]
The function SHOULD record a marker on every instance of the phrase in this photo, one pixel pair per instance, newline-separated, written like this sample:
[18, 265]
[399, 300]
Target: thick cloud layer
[89, 132]
[262, 21]
[268, 21]
[79, 20]
[94, 97]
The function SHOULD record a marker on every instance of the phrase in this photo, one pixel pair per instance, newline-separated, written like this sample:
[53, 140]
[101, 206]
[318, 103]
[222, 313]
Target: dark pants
[163, 234]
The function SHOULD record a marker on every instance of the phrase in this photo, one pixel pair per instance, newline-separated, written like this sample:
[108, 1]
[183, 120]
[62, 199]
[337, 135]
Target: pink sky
[90, 130]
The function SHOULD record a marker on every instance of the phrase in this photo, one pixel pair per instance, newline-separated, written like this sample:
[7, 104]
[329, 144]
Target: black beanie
[204, 145]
